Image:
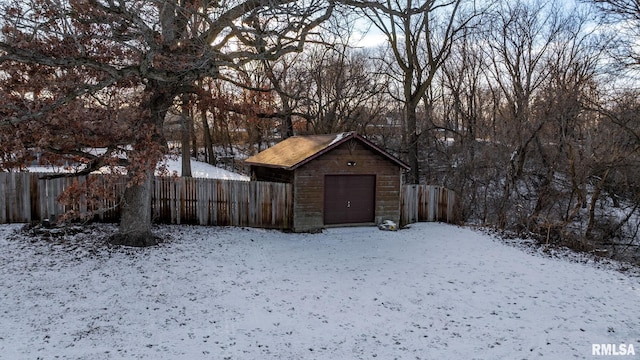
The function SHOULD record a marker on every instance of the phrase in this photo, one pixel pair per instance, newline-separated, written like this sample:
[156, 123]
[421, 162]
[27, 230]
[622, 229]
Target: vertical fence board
[234, 204]
[33, 196]
[49, 189]
[244, 206]
[213, 203]
[192, 205]
[3, 198]
[11, 198]
[427, 203]
[201, 200]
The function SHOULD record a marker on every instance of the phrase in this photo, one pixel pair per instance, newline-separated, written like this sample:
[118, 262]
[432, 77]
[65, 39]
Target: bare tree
[340, 90]
[518, 48]
[467, 107]
[564, 147]
[614, 164]
[330, 87]
[420, 36]
[288, 84]
[623, 16]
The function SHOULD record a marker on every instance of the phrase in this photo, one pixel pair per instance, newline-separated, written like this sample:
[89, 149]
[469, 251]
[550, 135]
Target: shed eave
[271, 166]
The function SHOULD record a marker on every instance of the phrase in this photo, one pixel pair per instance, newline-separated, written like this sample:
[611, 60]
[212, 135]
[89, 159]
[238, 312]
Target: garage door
[349, 199]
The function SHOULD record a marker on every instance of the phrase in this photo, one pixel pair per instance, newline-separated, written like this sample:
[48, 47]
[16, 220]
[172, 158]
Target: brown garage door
[349, 199]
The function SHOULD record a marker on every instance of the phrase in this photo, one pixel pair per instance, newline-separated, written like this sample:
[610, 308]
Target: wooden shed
[337, 179]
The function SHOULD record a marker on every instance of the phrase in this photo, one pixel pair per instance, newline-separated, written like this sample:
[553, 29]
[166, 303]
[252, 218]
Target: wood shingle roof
[296, 151]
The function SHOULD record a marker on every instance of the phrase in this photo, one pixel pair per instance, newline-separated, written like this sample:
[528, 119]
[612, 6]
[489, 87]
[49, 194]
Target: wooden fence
[222, 202]
[25, 197]
[427, 203]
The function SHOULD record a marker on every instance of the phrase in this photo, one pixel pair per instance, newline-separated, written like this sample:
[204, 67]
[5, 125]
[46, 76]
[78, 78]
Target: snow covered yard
[433, 291]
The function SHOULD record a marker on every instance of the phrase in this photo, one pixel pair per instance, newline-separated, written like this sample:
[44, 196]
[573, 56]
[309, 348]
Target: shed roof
[296, 151]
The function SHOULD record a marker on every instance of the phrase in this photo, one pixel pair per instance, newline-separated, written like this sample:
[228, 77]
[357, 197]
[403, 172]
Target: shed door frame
[349, 198]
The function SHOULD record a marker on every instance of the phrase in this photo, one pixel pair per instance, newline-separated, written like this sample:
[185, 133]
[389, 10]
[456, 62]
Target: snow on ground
[173, 165]
[201, 169]
[433, 291]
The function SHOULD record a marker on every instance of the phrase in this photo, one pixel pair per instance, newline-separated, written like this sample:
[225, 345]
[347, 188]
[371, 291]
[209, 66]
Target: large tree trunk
[194, 138]
[186, 137]
[412, 143]
[135, 206]
[135, 218]
[208, 141]
[186, 154]
[288, 121]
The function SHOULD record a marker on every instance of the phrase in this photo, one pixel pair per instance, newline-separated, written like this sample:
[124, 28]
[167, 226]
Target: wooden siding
[427, 203]
[24, 197]
[309, 184]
